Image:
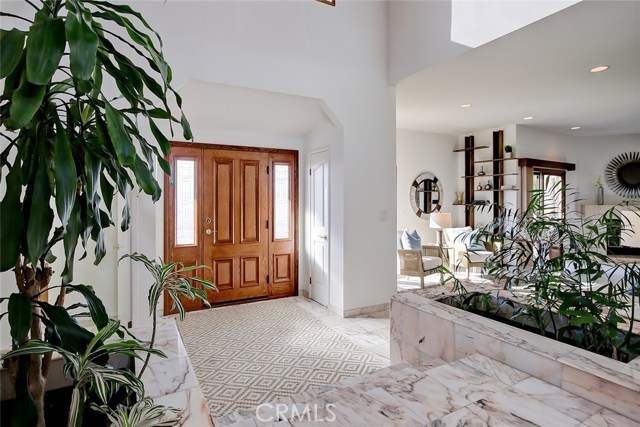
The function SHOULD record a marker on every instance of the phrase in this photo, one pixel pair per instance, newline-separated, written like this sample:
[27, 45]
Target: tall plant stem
[153, 339]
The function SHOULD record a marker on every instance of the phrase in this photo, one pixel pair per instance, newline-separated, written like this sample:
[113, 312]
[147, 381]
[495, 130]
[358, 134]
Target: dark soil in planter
[56, 408]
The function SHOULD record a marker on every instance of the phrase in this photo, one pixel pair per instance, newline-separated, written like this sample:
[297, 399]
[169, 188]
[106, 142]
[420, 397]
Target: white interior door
[319, 209]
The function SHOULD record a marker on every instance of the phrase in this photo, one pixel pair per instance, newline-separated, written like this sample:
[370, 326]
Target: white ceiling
[219, 107]
[541, 70]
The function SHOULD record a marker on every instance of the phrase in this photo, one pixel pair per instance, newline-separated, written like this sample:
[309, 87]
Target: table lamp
[439, 221]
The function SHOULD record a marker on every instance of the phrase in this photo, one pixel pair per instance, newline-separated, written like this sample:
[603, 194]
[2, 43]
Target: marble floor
[473, 391]
[368, 331]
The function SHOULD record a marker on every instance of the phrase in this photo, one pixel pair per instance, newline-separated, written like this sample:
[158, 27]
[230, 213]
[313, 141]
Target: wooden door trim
[207, 145]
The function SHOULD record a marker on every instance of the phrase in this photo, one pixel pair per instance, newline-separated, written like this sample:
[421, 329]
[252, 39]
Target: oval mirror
[425, 195]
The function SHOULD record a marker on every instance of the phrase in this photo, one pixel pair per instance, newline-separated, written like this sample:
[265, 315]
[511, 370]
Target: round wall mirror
[623, 175]
[425, 195]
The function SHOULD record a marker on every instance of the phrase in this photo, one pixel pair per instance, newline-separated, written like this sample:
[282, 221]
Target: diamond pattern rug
[249, 354]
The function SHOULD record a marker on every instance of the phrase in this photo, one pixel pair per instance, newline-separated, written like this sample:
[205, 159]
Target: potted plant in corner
[69, 147]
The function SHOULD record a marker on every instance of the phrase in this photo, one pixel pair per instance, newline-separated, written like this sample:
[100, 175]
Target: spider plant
[88, 370]
[176, 280]
[143, 413]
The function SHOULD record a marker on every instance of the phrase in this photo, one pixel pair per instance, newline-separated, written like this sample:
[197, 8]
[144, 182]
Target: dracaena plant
[79, 78]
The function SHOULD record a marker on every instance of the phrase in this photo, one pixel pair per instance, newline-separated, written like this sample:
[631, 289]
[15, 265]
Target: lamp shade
[439, 220]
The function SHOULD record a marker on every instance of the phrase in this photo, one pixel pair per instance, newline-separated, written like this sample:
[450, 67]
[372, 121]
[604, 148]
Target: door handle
[209, 231]
[323, 236]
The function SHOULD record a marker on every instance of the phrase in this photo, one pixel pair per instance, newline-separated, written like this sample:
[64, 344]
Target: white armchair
[464, 252]
[418, 262]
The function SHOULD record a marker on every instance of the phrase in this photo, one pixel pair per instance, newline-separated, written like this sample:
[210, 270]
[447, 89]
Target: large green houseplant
[569, 286]
[72, 142]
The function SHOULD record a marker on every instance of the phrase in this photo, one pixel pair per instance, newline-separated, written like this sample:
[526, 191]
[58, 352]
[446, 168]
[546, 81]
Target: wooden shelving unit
[496, 176]
[479, 147]
[496, 160]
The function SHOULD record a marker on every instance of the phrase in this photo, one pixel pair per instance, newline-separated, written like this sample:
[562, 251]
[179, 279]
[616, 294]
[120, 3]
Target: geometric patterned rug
[249, 354]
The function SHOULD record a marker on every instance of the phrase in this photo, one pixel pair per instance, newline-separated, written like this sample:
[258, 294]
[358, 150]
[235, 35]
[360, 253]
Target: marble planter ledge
[171, 381]
[423, 329]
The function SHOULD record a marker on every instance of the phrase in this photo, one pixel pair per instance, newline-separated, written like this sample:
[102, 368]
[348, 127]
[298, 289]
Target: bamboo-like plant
[68, 142]
[575, 289]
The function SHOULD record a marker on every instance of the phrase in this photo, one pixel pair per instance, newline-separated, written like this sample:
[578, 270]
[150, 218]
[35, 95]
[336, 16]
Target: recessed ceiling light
[599, 68]
[528, 118]
[575, 128]
[465, 106]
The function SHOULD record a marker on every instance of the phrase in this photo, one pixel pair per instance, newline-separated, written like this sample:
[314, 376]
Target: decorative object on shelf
[481, 173]
[622, 175]
[599, 190]
[439, 221]
[508, 151]
[479, 187]
[488, 186]
[425, 195]
[459, 197]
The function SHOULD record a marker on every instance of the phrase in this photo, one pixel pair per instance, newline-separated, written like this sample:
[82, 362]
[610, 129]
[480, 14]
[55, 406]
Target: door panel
[245, 226]
[219, 204]
[237, 212]
[319, 211]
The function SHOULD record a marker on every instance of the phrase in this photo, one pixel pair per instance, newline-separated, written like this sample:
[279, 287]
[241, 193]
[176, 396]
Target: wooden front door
[234, 210]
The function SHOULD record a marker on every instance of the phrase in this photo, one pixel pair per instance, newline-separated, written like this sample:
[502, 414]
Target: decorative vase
[600, 195]
[479, 187]
[488, 186]
[481, 171]
[508, 155]
[459, 197]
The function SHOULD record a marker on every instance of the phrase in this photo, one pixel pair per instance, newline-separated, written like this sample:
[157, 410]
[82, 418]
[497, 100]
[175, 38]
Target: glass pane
[185, 202]
[281, 201]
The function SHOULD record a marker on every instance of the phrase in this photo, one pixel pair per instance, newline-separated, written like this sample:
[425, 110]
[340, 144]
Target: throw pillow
[411, 240]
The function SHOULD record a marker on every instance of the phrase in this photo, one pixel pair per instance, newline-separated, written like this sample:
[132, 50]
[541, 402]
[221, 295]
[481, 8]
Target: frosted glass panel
[185, 202]
[281, 202]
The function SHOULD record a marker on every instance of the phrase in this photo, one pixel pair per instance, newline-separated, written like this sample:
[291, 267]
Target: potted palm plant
[70, 146]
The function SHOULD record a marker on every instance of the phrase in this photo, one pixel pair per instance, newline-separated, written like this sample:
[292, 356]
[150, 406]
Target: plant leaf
[19, 316]
[74, 338]
[12, 223]
[96, 308]
[66, 176]
[11, 47]
[83, 41]
[25, 102]
[40, 217]
[45, 46]
[125, 150]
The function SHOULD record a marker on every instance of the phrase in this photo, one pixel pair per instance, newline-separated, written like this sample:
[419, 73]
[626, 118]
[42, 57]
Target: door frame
[326, 149]
[296, 177]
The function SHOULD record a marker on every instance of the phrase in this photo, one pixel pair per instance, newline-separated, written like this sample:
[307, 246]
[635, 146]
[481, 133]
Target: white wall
[591, 154]
[418, 152]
